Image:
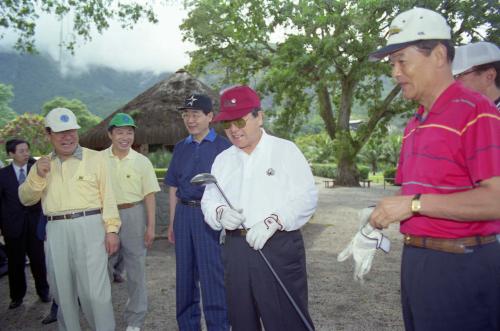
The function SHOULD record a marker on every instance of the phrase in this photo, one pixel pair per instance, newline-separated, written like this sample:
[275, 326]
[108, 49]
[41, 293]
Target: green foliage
[324, 170]
[88, 16]
[317, 148]
[85, 118]
[31, 128]
[160, 158]
[364, 172]
[6, 113]
[321, 64]
[391, 174]
[160, 172]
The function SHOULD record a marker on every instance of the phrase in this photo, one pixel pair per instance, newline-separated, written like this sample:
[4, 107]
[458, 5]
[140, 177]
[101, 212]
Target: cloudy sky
[156, 47]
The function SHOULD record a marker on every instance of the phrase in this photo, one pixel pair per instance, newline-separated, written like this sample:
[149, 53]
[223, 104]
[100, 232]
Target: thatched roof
[155, 112]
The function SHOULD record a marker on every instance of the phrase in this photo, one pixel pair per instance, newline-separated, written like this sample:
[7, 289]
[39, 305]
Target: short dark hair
[112, 127]
[11, 145]
[487, 66]
[426, 47]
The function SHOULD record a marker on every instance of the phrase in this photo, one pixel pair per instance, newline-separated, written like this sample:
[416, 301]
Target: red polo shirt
[451, 150]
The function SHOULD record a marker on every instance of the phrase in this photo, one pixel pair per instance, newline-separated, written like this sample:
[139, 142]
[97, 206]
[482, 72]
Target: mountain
[37, 79]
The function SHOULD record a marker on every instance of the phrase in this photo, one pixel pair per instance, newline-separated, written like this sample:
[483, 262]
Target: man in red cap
[271, 181]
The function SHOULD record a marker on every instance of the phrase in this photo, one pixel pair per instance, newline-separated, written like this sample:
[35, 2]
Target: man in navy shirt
[197, 249]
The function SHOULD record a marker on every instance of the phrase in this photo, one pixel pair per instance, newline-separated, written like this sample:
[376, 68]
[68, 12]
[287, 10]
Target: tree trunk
[347, 172]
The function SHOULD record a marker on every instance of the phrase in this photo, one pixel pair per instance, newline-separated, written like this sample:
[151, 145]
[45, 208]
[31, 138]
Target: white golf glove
[229, 218]
[260, 233]
[364, 245]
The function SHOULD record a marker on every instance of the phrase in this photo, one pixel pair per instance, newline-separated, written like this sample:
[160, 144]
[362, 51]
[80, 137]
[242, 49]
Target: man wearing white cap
[74, 186]
[449, 172]
[477, 66]
[271, 181]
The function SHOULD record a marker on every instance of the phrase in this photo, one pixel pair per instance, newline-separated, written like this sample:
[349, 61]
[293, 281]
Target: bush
[160, 172]
[364, 171]
[389, 175]
[324, 170]
[160, 158]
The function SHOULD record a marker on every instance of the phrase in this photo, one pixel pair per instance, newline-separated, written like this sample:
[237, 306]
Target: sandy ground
[336, 301]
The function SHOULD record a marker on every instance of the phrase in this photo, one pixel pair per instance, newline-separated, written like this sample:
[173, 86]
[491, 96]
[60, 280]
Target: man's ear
[440, 55]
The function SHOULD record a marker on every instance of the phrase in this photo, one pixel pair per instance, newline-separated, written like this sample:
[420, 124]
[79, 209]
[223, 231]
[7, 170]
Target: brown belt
[237, 232]
[458, 245]
[128, 205]
[73, 215]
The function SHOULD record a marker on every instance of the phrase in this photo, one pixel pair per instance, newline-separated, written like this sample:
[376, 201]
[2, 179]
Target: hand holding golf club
[260, 233]
[229, 218]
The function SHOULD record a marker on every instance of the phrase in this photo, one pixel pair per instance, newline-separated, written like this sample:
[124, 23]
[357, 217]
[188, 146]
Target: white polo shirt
[274, 178]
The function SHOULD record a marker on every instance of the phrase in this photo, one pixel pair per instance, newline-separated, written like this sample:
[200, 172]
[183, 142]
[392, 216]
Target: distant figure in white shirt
[271, 181]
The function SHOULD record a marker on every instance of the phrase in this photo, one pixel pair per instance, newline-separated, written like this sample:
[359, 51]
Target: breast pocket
[86, 186]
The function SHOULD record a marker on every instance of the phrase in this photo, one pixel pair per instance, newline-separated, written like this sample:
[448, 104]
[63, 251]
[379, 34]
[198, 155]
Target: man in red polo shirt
[449, 172]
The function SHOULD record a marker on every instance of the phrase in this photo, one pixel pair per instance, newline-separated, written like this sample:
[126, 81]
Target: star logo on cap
[190, 100]
[64, 118]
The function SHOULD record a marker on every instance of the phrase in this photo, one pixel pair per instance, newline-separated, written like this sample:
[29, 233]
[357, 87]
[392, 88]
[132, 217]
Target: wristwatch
[415, 204]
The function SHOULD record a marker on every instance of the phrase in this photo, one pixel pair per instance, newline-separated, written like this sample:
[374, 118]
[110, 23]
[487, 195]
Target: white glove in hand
[229, 218]
[363, 246]
[260, 233]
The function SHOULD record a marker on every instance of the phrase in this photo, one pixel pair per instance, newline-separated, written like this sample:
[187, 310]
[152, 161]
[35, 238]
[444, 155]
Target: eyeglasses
[463, 74]
[240, 123]
[196, 115]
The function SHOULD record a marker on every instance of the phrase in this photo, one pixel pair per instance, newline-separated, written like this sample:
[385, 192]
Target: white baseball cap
[474, 54]
[61, 119]
[411, 26]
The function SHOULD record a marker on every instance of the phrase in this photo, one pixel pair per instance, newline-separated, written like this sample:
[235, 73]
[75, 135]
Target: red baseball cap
[236, 102]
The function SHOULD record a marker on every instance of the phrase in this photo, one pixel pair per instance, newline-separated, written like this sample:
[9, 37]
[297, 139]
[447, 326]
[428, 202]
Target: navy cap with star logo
[197, 102]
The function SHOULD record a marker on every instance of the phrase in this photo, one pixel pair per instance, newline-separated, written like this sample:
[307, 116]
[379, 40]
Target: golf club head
[203, 179]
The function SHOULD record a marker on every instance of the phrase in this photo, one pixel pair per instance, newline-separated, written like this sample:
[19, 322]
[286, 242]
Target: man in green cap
[134, 184]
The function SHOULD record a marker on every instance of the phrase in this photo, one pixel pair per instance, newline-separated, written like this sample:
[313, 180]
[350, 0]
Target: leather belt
[237, 232]
[73, 215]
[191, 203]
[457, 245]
[128, 205]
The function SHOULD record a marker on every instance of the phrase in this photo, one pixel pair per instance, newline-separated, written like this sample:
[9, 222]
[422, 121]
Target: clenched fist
[43, 166]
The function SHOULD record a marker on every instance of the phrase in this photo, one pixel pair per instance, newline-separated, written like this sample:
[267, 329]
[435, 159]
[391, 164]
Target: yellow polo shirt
[133, 177]
[82, 182]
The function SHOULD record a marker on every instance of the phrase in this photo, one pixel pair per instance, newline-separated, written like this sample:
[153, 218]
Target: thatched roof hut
[155, 112]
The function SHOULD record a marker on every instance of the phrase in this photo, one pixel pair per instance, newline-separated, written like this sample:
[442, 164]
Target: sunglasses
[458, 76]
[240, 123]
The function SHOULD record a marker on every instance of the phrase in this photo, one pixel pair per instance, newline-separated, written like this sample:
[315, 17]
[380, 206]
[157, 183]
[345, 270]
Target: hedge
[324, 170]
[160, 172]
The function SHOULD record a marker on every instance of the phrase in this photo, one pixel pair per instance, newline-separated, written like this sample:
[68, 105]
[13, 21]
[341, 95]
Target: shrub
[364, 171]
[160, 158]
[324, 170]
[160, 172]
[389, 175]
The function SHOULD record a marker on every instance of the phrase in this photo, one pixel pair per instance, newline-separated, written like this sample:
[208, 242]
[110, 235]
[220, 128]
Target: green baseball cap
[122, 119]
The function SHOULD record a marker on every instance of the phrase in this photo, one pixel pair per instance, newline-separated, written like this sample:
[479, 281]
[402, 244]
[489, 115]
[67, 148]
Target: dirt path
[336, 301]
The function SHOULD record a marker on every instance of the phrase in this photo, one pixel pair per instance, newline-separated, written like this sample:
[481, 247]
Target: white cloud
[156, 47]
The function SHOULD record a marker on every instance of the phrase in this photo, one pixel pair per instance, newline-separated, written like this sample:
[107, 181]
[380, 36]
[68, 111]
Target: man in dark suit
[19, 227]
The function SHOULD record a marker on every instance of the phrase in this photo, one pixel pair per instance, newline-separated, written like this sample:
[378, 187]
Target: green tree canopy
[87, 16]
[29, 127]
[321, 63]
[85, 118]
[6, 113]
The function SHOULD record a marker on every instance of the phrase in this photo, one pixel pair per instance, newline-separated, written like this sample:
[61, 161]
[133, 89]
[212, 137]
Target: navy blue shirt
[191, 158]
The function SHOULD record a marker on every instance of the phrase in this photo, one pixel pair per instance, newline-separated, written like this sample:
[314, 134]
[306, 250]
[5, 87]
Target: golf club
[205, 179]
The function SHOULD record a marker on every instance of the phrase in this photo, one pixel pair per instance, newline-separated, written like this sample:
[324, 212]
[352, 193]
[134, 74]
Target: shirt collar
[209, 137]
[131, 153]
[78, 153]
[17, 168]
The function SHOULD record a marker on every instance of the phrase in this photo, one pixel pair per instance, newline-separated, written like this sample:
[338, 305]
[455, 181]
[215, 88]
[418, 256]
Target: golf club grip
[292, 301]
